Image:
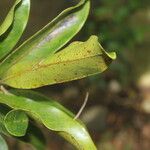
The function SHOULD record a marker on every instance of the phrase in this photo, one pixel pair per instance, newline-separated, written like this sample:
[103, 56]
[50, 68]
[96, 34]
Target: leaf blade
[33, 137]
[78, 60]
[9, 19]
[12, 31]
[53, 118]
[16, 123]
[52, 37]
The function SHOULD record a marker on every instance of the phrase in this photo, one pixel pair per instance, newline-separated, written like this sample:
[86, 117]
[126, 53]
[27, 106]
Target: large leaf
[13, 26]
[3, 145]
[53, 118]
[16, 123]
[51, 38]
[78, 60]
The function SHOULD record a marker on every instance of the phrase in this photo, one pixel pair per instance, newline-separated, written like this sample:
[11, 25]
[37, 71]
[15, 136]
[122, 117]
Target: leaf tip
[112, 55]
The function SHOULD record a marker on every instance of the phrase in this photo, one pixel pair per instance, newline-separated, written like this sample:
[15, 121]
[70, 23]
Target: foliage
[40, 61]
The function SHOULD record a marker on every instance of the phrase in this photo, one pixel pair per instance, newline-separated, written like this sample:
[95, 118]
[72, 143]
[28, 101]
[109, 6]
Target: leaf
[53, 118]
[40, 97]
[78, 60]
[3, 145]
[51, 38]
[16, 123]
[13, 26]
[9, 19]
[34, 136]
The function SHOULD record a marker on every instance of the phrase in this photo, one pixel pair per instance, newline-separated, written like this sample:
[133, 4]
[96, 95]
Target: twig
[4, 90]
[82, 107]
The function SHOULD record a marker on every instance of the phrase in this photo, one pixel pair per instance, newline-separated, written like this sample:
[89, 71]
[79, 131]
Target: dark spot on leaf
[55, 80]
[89, 51]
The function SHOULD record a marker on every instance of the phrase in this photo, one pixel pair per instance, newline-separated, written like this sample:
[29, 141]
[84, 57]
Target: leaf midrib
[48, 65]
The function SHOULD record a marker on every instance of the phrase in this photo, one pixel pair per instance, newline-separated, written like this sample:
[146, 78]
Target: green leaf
[51, 38]
[16, 123]
[53, 118]
[13, 26]
[38, 96]
[3, 145]
[78, 60]
[9, 19]
[34, 136]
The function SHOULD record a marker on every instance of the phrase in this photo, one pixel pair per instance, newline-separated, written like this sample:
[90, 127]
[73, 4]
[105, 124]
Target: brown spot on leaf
[89, 51]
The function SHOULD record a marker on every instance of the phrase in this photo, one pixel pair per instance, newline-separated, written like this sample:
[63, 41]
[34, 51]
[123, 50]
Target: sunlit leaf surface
[78, 60]
[53, 117]
[13, 26]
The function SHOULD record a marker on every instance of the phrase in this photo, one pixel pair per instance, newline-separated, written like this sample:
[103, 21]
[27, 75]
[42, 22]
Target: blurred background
[118, 110]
